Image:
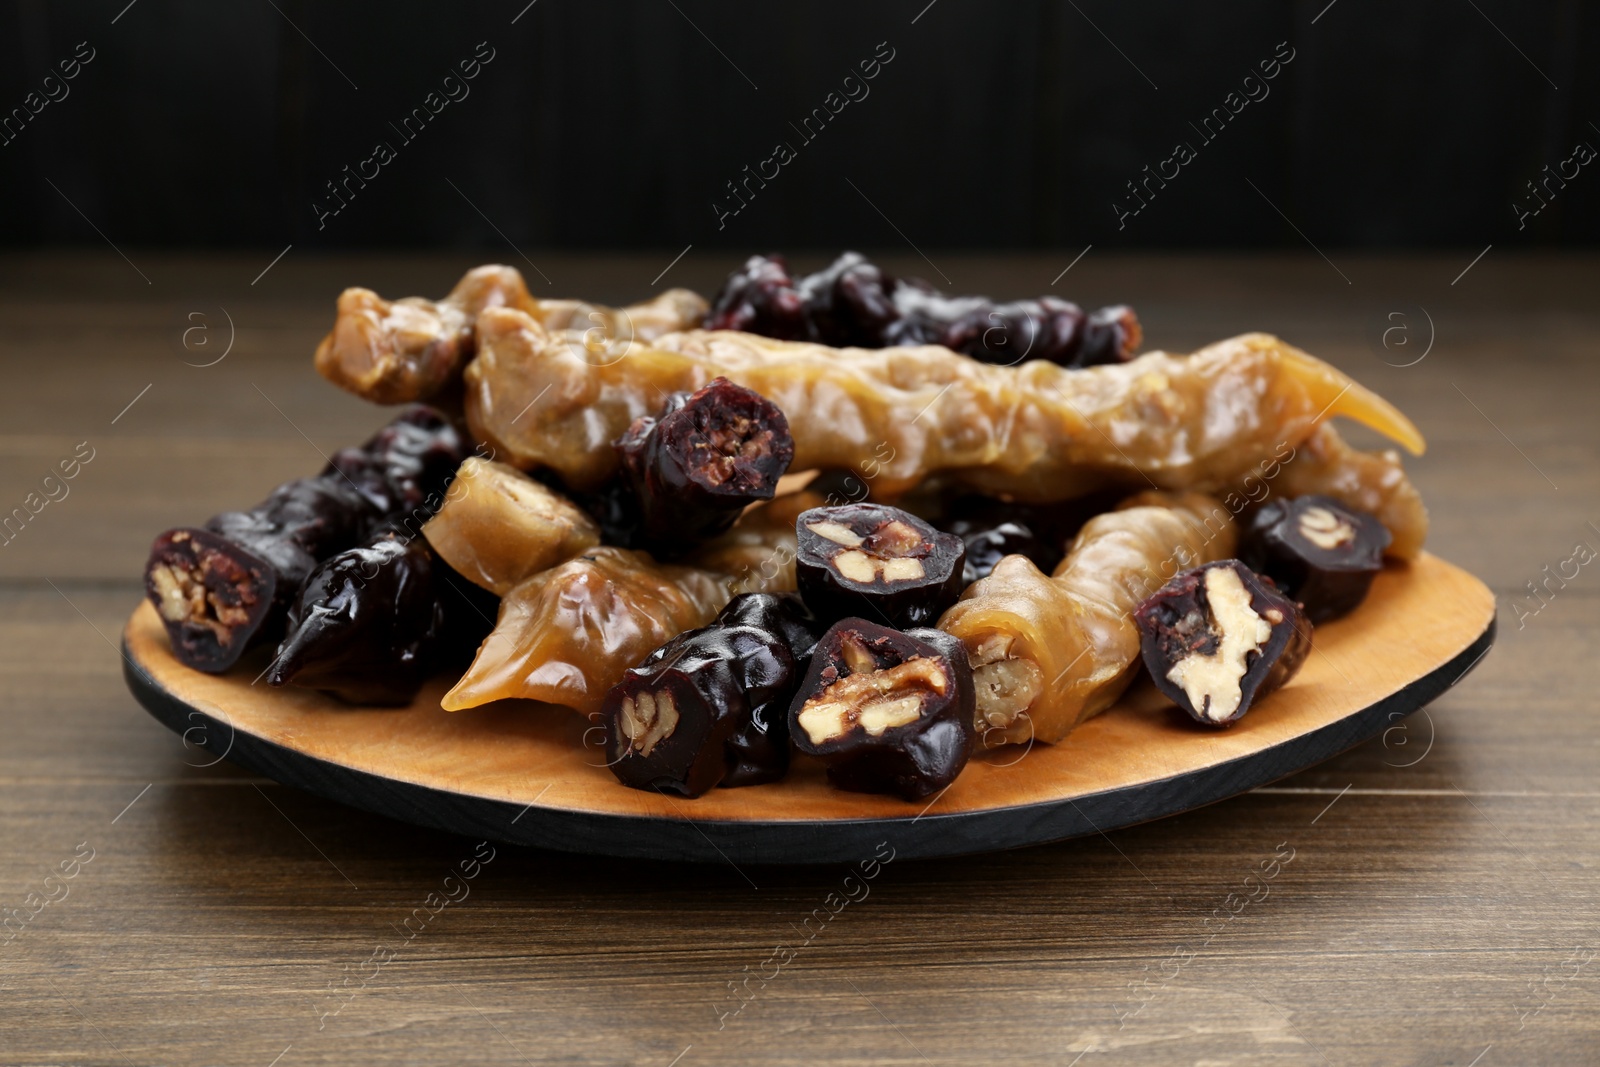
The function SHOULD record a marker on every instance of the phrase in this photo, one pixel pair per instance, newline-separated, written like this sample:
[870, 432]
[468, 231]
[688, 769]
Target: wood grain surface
[1432, 897]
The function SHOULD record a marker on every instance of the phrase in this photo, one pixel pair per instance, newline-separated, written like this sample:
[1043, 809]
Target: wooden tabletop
[1441, 906]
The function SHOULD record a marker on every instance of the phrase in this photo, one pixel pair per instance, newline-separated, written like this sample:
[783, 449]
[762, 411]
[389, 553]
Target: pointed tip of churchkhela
[1336, 393]
[485, 681]
[321, 635]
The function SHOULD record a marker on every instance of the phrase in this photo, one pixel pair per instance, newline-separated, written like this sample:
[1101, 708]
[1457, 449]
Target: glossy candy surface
[896, 416]
[566, 635]
[372, 622]
[226, 588]
[1218, 637]
[404, 467]
[886, 711]
[498, 526]
[700, 462]
[710, 707]
[1318, 551]
[876, 561]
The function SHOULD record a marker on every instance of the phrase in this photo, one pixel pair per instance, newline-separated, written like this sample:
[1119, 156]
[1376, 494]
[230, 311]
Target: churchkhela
[635, 538]
[711, 706]
[497, 526]
[224, 588]
[395, 351]
[886, 710]
[373, 622]
[698, 463]
[1219, 637]
[854, 302]
[1049, 651]
[1035, 433]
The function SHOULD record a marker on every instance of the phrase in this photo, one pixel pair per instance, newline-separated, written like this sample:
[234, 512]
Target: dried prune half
[886, 711]
[1219, 637]
[1319, 551]
[698, 464]
[857, 559]
[710, 707]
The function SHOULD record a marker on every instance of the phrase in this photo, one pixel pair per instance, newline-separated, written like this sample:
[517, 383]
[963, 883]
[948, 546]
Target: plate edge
[787, 841]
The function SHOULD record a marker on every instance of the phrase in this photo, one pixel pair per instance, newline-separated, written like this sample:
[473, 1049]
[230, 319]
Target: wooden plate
[519, 771]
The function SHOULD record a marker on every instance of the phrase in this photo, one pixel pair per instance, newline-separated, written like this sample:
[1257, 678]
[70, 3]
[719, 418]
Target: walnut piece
[649, 720]
[1006, 689]
[836, 532]
[875, 700]
[1212, 680]
[184, 599]
[1325, 529]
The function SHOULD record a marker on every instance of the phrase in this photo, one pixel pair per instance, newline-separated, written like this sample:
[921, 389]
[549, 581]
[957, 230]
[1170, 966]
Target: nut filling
[692, 469]
[1325, 529]
[1211, 675]
[875, 700]
[856, 557]
[724, 448]
[892, 553]
[184, 598]
[886, 711]
[1218, 637]
[710, 707]
[1005, 687]
[647, 719]
[1319, 551]
[209, 593]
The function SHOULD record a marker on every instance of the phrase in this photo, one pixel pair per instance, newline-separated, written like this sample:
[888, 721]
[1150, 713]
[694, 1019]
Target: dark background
[606, 125]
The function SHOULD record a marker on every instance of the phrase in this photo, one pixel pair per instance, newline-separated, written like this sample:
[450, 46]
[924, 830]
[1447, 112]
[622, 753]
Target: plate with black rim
[529, 774]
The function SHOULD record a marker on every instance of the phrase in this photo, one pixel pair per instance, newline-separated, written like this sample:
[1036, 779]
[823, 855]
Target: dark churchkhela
[372, 622]
[1220, 637]
[990, 542]
[1319, 551]
[853, 302]
[710, 707]
[222, 589]
[886, 711]
[877, 561]
[696, 466]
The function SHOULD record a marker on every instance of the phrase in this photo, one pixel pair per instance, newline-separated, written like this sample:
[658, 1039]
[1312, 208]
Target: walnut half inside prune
[1318, 550]
[886, 711]
[857, 559]
[1219, 637]
[710, 707]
